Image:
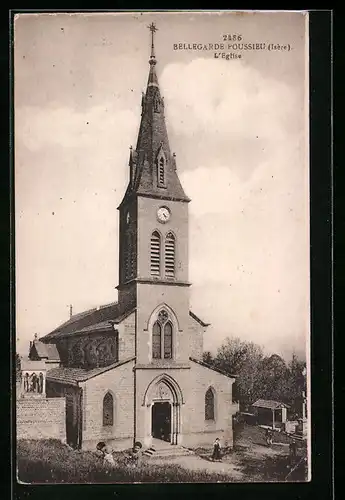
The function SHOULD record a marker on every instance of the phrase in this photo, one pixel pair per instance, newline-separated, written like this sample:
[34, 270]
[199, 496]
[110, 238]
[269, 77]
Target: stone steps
[172, 451]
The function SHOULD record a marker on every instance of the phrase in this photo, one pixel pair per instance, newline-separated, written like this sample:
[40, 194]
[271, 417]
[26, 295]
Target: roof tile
[269, 404]
[76, 375]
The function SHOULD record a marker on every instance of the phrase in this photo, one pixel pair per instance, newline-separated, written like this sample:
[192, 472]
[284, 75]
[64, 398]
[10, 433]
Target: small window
[108, 410]
[209, 405]
[156, 340]
[161, 171]
[155, 256]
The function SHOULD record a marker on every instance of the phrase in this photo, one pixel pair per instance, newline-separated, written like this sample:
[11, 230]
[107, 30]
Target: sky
[239, 130]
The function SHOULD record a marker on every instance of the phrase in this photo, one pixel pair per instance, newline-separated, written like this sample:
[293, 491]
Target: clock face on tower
[163, 214]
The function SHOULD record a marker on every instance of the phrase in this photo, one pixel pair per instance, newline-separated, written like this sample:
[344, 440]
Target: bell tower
[153, 261]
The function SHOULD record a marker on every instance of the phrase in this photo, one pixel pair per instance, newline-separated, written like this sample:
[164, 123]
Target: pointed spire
[153, 144]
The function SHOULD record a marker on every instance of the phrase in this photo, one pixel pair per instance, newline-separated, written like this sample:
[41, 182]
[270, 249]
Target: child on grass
[106, 454]
[134, 458]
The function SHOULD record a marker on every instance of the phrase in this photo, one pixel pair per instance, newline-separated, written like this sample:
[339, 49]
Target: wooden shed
[270, 412]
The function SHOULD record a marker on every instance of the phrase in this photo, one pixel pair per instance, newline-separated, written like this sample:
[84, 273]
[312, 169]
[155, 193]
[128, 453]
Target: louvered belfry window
[155, 256]
[156, 341]
[169, 256]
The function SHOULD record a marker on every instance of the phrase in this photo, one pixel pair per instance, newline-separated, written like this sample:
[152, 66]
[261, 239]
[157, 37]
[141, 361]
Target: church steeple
[152, 165]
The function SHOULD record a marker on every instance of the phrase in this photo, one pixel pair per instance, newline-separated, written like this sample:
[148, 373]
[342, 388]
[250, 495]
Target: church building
[133, 370]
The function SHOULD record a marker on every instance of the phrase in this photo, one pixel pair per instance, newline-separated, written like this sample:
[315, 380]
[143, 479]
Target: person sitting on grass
[134, 458]
[105, 453]
[216, 455]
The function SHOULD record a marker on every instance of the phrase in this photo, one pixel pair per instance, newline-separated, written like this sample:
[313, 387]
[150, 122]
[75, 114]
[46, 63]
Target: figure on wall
[102, 354]
[26, 382]
[33, 382]
[40, 383]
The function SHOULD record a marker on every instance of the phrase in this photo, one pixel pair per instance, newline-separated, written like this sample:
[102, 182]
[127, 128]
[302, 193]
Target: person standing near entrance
[216, 455]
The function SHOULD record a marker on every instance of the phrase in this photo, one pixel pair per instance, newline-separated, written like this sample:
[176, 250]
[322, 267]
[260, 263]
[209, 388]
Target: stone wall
[119, 382]
[126, 337]
[41, 418]
[196, 335]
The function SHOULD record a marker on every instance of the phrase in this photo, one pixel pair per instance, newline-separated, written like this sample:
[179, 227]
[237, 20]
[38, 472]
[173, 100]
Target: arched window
[155, 256]
[167, 340]
[108, 409]
[157, 341]
[169, 255]
[162, 336]
[209, 404]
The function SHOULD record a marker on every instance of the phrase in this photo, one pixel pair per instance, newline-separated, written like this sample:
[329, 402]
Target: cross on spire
[153, 29]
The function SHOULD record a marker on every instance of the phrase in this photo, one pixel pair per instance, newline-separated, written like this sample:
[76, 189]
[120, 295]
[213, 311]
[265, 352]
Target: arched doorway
[163, 400]
[161, 421]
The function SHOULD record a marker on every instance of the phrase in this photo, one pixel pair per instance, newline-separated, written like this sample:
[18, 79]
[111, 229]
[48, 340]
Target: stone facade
[119, 382]
[132, 370]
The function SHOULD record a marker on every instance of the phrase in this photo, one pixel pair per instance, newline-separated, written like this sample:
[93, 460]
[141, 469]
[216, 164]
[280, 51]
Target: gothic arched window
[108, 409]
[157, 341]
[167, 340]
[209, 404]
[155, 254]
[162, 337]
[169, 255]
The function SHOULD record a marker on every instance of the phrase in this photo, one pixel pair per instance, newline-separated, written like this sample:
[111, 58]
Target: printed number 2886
[232, 38]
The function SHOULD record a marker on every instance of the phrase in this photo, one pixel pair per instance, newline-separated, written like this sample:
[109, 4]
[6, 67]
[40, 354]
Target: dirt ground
[250, 460]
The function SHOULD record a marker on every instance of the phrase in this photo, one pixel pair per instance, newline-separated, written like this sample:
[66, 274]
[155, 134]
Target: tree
[297, 383]
[207, 358]
[259, 376]
[243, 359]
[274, 379]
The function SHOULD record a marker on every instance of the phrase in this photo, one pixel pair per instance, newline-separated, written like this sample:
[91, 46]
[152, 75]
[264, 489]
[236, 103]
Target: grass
[50, 461]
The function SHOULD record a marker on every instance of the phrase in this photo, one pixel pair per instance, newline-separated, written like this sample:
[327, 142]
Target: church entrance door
[161, 421]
